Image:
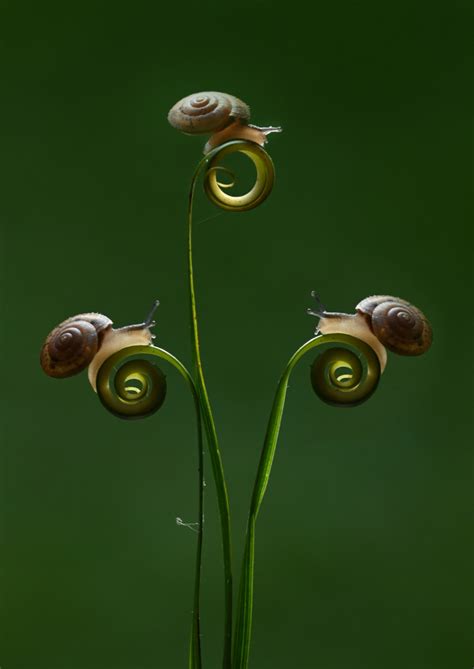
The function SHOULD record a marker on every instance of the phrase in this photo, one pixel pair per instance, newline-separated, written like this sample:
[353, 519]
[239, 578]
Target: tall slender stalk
[216, 459]
[216, 193]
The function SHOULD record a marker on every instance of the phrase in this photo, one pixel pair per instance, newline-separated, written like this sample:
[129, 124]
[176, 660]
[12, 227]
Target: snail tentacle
[320, 310]
[148, 323]
[268, 129]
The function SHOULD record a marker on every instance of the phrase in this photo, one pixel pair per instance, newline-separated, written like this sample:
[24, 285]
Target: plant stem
[216, 460]
[243, 626]
[107, 392]
[195, 661]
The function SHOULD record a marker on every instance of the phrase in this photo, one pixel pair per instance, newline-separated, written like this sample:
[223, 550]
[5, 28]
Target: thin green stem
[107, 394]
[215, 455]
[255, 196]
[245, 604]
[195, 661]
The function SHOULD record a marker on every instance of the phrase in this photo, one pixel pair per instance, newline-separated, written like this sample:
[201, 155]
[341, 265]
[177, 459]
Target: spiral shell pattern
[71, 346]
[368, 304]
[400, 326]
[207, 112]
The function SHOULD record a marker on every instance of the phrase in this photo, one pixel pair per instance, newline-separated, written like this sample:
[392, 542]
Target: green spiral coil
[265, 176]
[346, 370]
[130, 384]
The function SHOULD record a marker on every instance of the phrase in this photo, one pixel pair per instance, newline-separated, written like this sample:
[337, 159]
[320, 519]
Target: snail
[382, 321]
[87, 340]
[220, 115]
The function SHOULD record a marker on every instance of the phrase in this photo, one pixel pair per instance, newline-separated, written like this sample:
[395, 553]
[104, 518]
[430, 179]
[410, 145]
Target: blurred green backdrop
[364, 553]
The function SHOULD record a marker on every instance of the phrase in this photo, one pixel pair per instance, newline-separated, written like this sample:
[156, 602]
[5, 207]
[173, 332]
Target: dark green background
[364, 542]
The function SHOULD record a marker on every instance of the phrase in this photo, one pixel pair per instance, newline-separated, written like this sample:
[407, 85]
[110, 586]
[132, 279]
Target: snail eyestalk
[147, 324]
[345, 373]
[320, 308]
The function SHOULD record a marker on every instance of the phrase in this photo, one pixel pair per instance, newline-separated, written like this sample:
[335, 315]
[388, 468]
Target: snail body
[383, 322]
[223, 116]
[86, 340]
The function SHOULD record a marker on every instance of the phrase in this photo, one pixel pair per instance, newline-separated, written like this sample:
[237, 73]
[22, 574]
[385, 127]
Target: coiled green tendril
[346, 370]
[130, 384]
[265, 176]
[345, 373]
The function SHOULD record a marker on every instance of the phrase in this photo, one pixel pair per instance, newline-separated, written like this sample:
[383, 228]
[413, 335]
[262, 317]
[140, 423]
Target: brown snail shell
[207, 112]
[221, 115]
[399, 325]
[72, 345]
